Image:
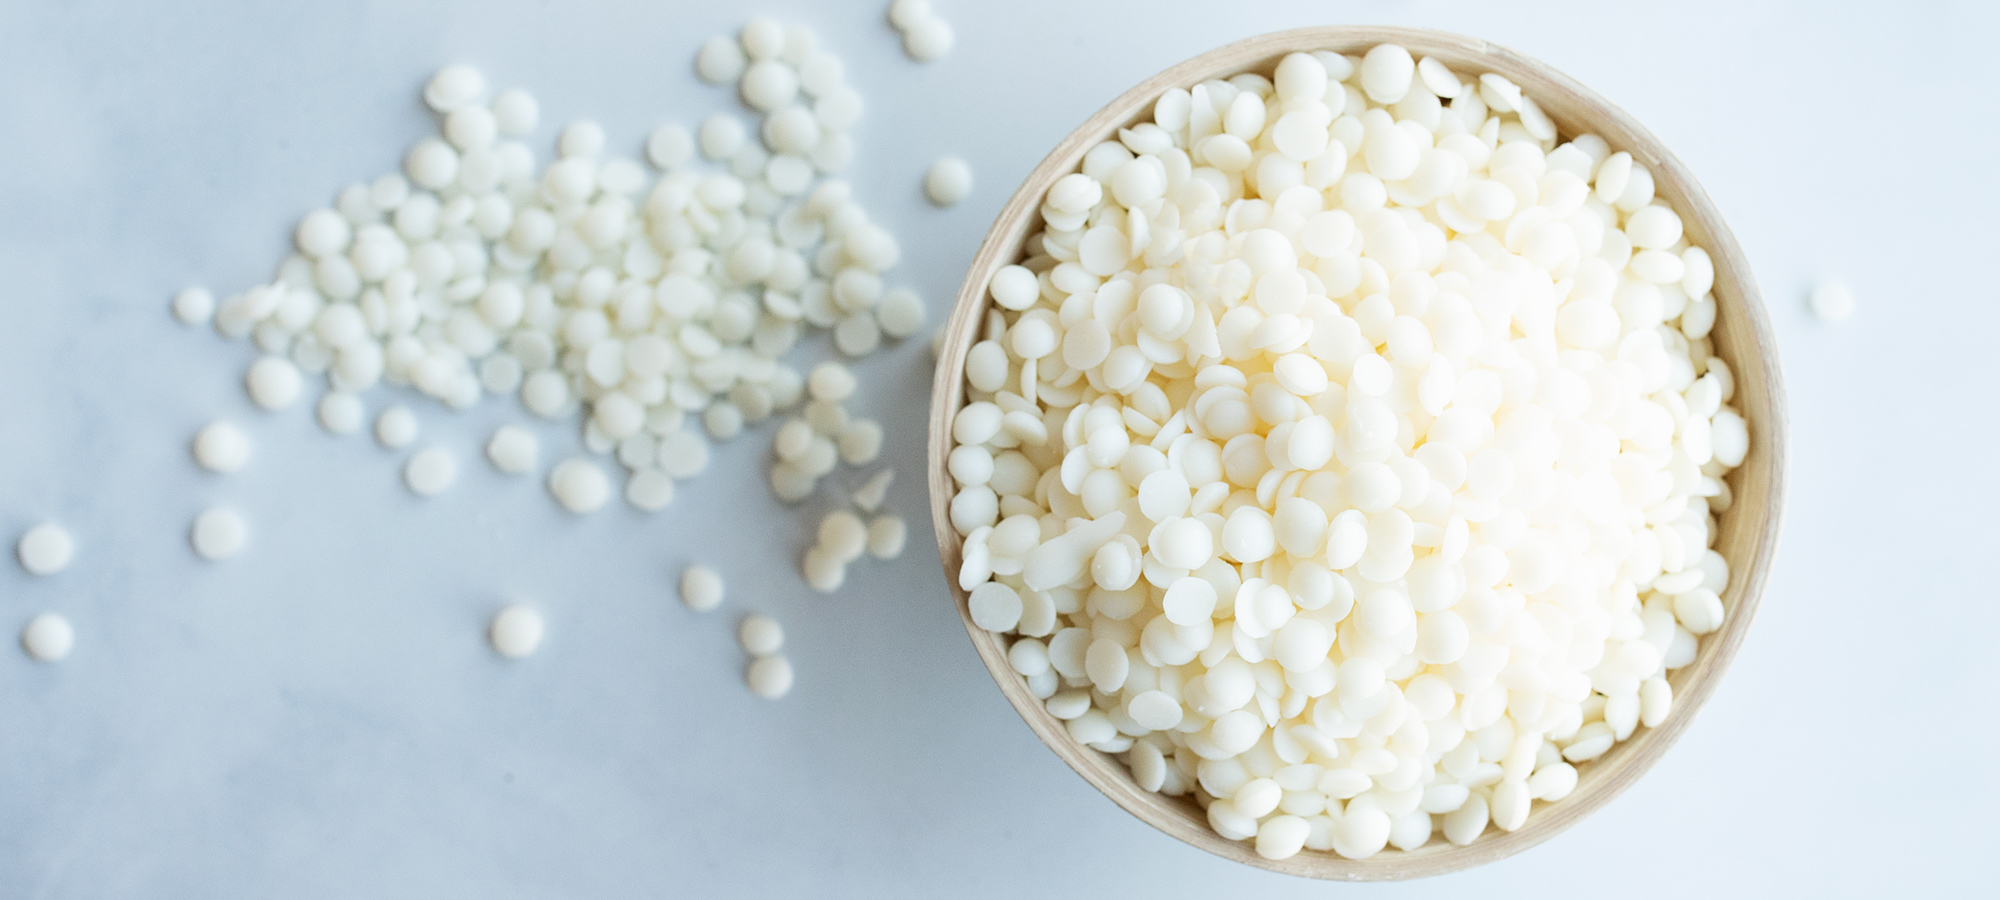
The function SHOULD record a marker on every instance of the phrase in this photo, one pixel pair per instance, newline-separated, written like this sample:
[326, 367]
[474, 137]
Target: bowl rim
[1742, 336]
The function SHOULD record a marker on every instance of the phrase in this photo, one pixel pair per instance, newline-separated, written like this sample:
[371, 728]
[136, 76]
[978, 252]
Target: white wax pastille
[1831, 301]
[396, 427]
[948, 181]
[701, 588]
[194, 305]
[760, 635]
[430, 471]
[513, 449]
[927, 39]
[220, 446]
[219, 534]
[516, 631]
[770, 677]
[273, 382]
[48, 637]
[341, 413]
[579, 485]
[45, 549]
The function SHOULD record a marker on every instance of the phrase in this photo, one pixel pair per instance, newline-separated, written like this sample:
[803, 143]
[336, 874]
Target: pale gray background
[321, 719]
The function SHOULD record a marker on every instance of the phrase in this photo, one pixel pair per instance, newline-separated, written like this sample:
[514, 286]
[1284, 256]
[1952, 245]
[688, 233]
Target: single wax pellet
[218, 534]
[793, 440]
[432, 164]
[769, 677]
[900, 313]
[860, 442]
[1510, 804]
[45, 549]
[995, 606]
[194, 305]
[321, 232]
[341, 413]
[842, 534]
[823, 571]
[683, 454]
[904, 13]
[1386, 73]
[48, 637]
[1015, 287]
[649, 490]
[886, 536]
[221, 447]
[722, 420]
[768, 85]
[273, 382]
[1281, 837]
[760, 635]
[396, 427]
[1831, 301]
[1500, 94]
[857, 335]
[515, 112]
[875, 490]
[763, 38]
[927, 39]
[1656, 700]
[1552, 782]
[469, 128]
[513, 449]
[1439, 78]
[720, 61]
[721, 136]
[831, 381]
[454, 86]
[948, 181]
[430, 471]
[516, 631]
[701, 588]
[579, 485]
[669, 146]
[582, 138]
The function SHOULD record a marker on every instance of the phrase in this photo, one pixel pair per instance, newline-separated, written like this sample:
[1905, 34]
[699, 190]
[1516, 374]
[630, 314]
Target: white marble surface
[321, 719]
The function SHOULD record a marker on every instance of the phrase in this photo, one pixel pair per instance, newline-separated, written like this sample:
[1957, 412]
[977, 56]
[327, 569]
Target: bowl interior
[1747, 533]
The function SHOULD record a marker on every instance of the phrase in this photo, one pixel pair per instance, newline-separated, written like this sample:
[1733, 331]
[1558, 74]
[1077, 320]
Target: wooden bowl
[1742, 336]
